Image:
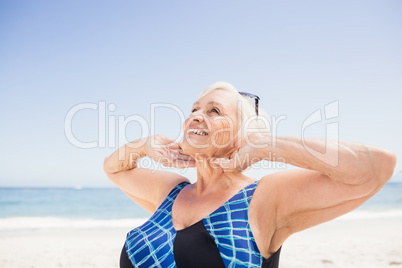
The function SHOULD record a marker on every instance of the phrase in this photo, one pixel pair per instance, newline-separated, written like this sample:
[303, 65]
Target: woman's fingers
[183, 163]
[173, 146]
[178, 153]
[178, 163]
[185, 157]
[166, 162]
[174, 159]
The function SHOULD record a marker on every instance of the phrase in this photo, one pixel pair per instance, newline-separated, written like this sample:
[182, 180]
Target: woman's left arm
[329, 184]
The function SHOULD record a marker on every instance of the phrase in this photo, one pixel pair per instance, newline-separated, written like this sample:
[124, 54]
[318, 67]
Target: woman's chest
[188, 210]
[258, 218]
[189, 207]
[225, 234]
[228, 226]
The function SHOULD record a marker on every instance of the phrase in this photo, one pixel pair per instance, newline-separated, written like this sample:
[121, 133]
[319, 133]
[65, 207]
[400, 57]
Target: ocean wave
[15, 223]
[54, 222]
[371, 214]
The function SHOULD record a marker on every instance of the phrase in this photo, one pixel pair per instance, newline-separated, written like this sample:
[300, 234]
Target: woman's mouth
[197, 132]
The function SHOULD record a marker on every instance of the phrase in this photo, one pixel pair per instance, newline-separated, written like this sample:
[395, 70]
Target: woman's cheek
[223, 134]
[185, 123]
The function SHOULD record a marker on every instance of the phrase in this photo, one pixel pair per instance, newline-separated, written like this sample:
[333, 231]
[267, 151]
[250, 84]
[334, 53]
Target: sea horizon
[28, 208]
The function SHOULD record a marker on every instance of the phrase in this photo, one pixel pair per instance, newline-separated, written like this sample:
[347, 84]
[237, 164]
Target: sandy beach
[351, 243]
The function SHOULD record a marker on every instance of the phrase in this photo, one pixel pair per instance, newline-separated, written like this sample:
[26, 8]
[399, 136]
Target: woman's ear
[238, 140]
[237, 144]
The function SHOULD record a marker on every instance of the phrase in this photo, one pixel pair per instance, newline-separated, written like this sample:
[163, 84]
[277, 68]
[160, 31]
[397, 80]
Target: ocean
[36, 208]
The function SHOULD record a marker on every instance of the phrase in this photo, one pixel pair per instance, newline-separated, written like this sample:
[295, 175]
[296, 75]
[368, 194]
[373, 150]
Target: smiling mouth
[197, 132]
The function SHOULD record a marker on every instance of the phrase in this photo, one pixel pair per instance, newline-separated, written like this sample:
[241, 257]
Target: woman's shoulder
[170, 186]
[264, 193]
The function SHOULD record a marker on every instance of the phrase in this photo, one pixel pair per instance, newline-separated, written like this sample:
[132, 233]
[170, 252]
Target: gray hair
[249, 119]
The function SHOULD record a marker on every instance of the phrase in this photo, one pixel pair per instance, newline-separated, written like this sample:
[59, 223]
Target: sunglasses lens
[252, 96]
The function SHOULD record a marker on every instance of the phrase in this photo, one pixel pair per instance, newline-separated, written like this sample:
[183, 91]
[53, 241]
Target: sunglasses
[252, 96]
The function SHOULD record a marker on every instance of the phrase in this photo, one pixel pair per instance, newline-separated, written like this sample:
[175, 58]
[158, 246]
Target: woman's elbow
[105, 166]
[377, 171]
[106, 169]
[384, 163]
[390, 163]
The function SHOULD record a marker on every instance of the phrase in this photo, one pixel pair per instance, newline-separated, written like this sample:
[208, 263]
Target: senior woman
[226, 219]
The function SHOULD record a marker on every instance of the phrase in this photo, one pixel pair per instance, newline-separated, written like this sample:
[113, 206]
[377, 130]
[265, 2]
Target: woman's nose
[198, 118]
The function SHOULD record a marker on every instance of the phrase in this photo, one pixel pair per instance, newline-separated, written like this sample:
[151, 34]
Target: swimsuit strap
[151, 244]
[167, 204]
[231, 231]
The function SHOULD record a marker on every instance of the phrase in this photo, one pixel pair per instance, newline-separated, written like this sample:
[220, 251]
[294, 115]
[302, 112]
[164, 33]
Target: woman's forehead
[211, 103]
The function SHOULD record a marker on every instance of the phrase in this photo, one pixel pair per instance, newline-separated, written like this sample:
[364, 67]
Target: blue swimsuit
[222, 239]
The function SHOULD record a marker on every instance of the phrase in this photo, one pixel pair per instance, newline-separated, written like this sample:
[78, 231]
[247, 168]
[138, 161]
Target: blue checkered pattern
[229, 227]
[151, 244]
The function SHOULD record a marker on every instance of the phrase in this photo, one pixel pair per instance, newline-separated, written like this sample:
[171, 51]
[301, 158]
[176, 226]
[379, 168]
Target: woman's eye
[212, 110]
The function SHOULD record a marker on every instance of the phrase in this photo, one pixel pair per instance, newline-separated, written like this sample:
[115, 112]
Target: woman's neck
[210, 177]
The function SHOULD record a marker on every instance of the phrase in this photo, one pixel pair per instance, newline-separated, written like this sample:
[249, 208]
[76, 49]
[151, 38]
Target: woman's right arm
[148, 188]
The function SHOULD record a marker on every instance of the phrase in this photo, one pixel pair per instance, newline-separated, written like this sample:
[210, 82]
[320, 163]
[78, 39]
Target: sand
[357, 243]
[341, 243]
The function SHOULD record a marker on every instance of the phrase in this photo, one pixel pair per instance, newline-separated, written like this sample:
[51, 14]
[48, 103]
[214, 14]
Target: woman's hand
[248, 151]
[165, 150]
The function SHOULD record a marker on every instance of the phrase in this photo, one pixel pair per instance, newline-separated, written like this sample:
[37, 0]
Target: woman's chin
[193, 150]
[194, 144]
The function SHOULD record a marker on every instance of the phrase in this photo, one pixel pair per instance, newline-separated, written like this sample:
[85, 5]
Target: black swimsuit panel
[124, 260]
[203, 253]
[195, 248]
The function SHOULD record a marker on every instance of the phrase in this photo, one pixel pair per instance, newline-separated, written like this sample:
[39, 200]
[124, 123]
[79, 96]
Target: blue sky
[298, 56]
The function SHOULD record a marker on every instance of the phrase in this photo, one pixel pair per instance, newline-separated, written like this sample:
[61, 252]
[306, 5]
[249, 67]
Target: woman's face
[210, 129]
